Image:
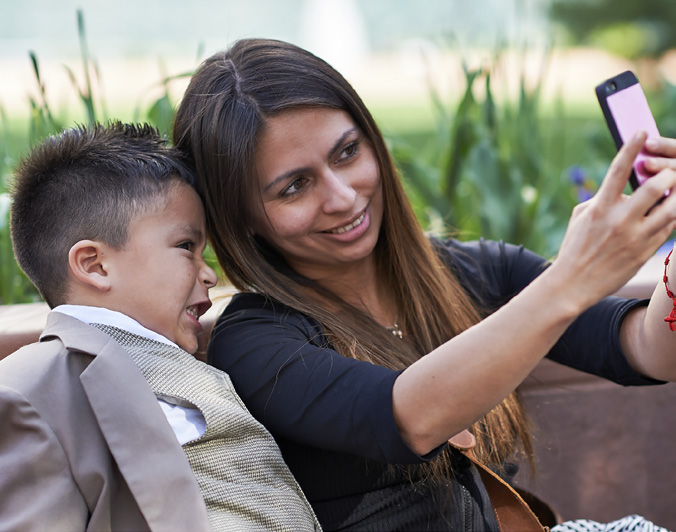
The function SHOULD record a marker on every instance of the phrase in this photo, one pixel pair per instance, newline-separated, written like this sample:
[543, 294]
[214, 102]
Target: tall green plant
[496, 171]
[42, 120]
[14, 285]
[90, 70]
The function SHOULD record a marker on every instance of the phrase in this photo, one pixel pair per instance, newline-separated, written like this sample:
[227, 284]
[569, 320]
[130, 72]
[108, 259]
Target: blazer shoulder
[55, 363]
[32, 359]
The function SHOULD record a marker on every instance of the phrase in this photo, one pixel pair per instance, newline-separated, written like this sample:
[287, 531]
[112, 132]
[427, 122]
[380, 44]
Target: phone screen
[631, 113]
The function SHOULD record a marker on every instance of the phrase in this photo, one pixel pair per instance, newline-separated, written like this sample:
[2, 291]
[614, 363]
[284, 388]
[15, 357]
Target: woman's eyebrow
[288, 174]
[342, 139]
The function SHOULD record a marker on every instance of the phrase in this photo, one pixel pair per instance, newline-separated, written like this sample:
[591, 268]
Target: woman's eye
[295, 187]
[189, 246]
[349, 151]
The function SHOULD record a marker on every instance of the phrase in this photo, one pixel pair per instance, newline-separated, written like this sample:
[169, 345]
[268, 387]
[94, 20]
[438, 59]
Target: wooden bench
[603, 451]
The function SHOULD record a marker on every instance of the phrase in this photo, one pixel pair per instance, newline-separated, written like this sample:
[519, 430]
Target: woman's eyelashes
[294, 188]
[348, 151]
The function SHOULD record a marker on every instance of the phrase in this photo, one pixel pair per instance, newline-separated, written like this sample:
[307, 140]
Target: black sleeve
[494, 272]
[302, 390]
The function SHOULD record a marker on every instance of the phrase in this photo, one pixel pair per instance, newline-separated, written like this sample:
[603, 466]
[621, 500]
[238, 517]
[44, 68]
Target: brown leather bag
[511, 511]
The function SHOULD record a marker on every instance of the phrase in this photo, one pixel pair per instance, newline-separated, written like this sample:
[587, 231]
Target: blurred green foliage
[509, 170]
[625, 27]
[14, 286]
[496, 171]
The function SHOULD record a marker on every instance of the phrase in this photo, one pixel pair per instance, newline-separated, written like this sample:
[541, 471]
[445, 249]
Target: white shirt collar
[113, 318]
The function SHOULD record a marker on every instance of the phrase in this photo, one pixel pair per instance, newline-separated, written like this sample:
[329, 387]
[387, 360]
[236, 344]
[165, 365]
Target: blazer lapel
[138, 435]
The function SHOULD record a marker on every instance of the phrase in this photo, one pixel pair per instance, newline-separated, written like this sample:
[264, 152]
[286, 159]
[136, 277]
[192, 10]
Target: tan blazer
[84, 444]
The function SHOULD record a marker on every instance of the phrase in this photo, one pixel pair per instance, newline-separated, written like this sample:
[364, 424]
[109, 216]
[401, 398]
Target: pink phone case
[631, 113]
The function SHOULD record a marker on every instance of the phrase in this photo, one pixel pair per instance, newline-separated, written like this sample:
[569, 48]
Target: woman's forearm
[648, 342]
[453, 386]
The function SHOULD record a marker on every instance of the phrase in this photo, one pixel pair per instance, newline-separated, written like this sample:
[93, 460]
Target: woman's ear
[85, 260]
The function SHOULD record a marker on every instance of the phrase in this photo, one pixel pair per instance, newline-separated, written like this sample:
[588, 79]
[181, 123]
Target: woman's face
[321, 192]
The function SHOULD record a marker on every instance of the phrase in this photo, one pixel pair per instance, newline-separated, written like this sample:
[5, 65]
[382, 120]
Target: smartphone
[626, 110]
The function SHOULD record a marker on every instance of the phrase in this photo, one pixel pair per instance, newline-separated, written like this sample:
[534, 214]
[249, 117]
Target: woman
[363, 345]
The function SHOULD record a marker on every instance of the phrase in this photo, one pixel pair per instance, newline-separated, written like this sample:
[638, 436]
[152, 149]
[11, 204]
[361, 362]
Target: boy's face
[160, 278]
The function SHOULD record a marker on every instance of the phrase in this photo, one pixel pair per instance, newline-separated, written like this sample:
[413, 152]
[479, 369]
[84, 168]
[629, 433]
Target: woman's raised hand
[608, 239]
[612, 235]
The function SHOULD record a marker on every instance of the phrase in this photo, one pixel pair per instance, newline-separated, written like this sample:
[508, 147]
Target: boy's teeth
[192, 311]
[347, 227]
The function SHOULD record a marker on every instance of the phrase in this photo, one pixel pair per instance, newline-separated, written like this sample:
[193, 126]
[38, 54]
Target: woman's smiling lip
[348, 227]
[356, 222]
[351, 230]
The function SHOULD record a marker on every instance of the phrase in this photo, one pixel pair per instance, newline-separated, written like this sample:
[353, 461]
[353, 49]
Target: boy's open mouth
[198, 309]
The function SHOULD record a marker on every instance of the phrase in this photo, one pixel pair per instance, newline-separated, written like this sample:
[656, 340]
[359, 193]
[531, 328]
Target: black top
[332, 416]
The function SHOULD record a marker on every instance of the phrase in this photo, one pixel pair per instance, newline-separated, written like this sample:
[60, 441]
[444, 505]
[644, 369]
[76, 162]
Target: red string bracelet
[671, 318]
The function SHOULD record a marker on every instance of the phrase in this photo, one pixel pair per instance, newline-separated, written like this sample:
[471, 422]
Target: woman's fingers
[651, 191]
[661, 146]
[618, 173]
[660, 154]
[653, 165]
[662, 217]
[645, 198]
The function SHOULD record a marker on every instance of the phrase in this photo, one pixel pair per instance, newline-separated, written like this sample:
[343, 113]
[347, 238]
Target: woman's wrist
[669, 274]
[565, 292]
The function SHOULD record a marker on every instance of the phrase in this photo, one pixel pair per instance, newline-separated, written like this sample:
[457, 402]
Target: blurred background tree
[639, 31]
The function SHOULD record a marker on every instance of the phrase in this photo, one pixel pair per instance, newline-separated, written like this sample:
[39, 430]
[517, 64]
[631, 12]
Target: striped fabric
[631, 523]
[244, 480]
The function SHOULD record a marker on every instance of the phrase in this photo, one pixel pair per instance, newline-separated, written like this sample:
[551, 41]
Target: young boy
[108, 423]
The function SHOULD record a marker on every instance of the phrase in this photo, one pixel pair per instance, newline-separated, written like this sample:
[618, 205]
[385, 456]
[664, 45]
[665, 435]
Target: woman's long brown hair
[218, 122]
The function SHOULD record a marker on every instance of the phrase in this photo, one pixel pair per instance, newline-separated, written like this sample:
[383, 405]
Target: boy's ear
[85, 260]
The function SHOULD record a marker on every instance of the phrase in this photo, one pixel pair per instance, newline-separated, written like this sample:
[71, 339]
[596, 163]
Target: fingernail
[639, 135]
[651, 143]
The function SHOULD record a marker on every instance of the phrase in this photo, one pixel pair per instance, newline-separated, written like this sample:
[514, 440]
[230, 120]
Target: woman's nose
[339, 194]
[208, 275]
